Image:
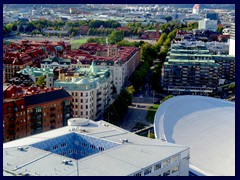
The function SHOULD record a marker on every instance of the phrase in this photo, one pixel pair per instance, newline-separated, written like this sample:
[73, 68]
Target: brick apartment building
[31, 110]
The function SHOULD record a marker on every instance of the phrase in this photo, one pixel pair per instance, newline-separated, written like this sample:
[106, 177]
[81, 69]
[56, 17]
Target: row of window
[83, 144]
[160, 165]
[82, 94]
[166, 173]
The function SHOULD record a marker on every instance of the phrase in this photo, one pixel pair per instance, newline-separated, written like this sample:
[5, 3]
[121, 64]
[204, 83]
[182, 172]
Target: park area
[76, 43]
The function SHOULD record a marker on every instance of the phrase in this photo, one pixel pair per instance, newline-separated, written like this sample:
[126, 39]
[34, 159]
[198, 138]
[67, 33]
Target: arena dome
[206, 125]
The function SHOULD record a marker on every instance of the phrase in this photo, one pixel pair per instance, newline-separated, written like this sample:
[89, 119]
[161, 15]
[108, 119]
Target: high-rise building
[232, 40]
[191, 68]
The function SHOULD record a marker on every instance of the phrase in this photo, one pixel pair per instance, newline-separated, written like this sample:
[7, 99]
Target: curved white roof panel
[206, 125]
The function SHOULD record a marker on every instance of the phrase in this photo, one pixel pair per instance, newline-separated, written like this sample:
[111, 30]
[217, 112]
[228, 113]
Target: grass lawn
[76, 43]
[151, 112]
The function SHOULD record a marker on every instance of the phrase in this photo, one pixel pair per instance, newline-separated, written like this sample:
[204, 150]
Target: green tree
[160, 41]
[231, 87]
[168, 18]
[131, 90]
[167, 43]
[220, 29]
[41, 81]
[115, 37]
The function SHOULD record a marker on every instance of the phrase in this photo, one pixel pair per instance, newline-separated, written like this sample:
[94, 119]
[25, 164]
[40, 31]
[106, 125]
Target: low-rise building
[35, 73]
[88, 148]
[121, 60]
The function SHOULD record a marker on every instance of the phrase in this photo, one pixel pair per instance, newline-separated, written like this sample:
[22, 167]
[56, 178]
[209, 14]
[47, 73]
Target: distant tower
[196, 9]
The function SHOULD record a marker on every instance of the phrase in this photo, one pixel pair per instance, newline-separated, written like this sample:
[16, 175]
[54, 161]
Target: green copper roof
[37, 71]
[89, 79]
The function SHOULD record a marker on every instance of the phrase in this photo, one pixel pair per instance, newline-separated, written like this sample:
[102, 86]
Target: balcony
[52, 108]
[52, 115]
[52, 121]
[99, 93]
[52, 127]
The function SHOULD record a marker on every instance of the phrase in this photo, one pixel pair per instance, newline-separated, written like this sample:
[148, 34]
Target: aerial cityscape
[118, 89]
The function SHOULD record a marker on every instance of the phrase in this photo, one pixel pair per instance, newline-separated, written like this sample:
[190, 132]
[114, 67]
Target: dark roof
[46, 97]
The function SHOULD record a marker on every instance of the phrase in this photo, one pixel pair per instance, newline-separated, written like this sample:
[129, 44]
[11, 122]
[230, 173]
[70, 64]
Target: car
[141, 96]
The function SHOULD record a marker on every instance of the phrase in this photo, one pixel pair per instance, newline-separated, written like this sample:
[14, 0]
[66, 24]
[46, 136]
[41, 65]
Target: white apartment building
[232, 40]
[90, 88]
[207, 24]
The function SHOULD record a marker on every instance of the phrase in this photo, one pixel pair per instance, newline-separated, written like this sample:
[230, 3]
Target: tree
[168, 18]
[160, 41]
[231, 87]
[115, 37]
[131, 90]
[220, 29]
[167, 43]
[41, 81]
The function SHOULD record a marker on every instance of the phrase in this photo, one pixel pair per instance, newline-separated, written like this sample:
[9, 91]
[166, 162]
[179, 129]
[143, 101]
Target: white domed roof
[205, 124]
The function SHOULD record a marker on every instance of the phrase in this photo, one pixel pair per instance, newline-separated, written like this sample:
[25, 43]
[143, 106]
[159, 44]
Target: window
[81, 100]
[166, 162]
[70, 151]
[55, 147]
[166, 173]
[75, 151]
[86, 106]
[147, 171]
[138, 174]
[175, 169]
[63, 145]
[174, 158]
[157, 166]
[84, 144]
[92, 146]
[101, 149]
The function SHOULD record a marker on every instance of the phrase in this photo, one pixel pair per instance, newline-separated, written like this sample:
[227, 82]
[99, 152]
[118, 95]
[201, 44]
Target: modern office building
[91, 89]
[207, 24]
[212, 16]
[190, 68]
[31, 110]
[88, 148]
[205, 124]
